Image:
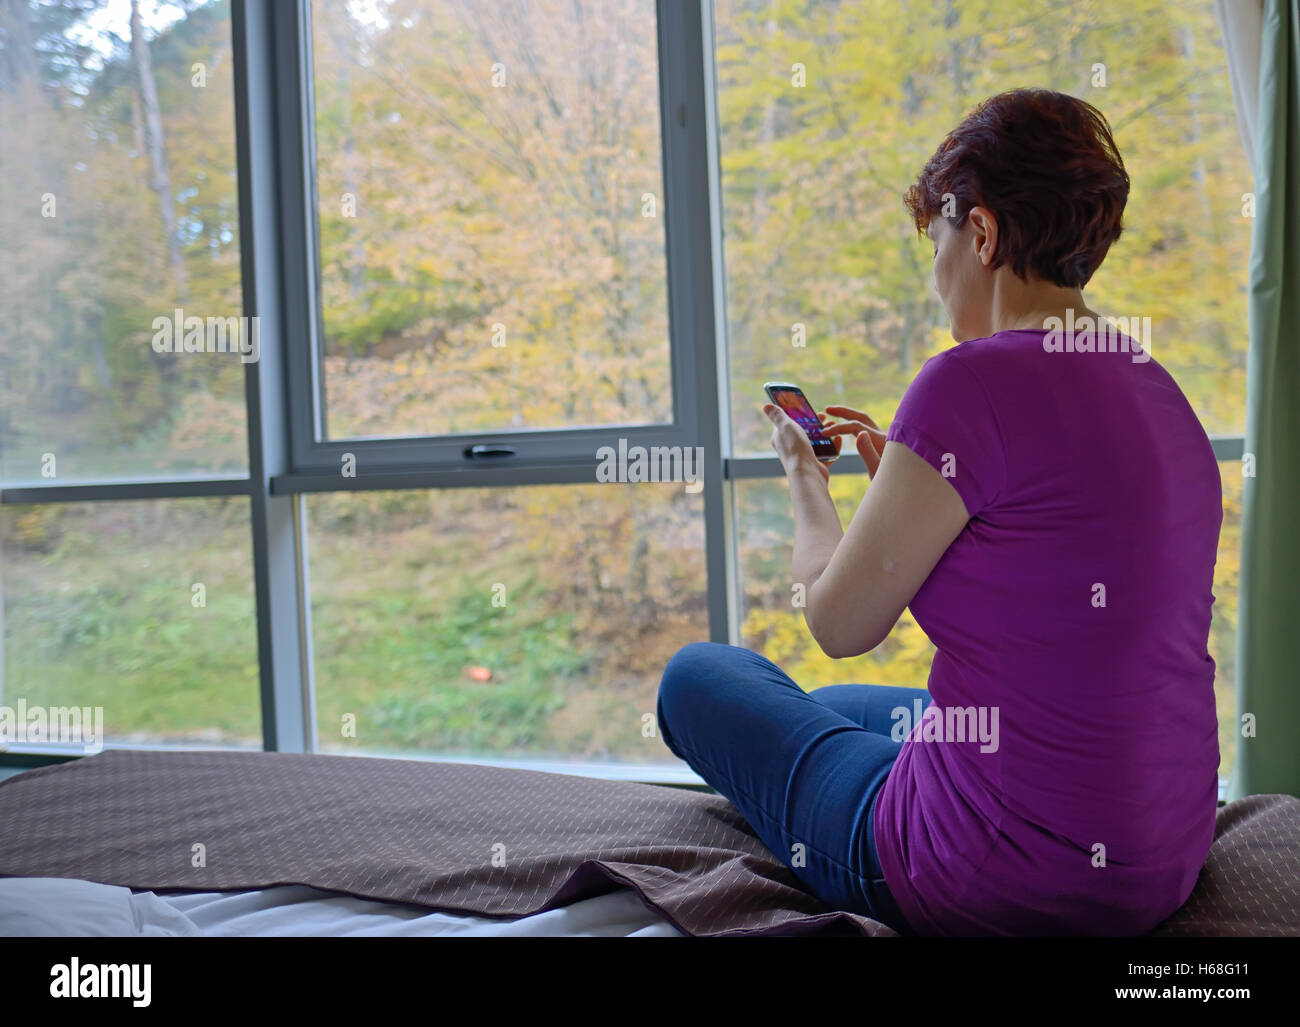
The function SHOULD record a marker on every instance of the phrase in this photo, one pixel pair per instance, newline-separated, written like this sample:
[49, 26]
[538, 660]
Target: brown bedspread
[496, 842]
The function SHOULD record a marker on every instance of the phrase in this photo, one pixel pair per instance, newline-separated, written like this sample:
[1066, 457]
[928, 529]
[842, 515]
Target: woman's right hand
[867, 434]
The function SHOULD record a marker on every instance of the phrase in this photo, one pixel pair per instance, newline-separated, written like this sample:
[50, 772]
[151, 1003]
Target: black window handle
[481, 452]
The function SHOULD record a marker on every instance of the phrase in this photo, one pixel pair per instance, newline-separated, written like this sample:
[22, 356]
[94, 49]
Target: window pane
[143, 608]
[1223, 627]
[774, 626]
[117, 158]
[529, 623]
[491, 216]
[818, 242]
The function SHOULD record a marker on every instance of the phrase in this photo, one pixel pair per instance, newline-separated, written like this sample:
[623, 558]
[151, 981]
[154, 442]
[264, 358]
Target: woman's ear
[984, 228]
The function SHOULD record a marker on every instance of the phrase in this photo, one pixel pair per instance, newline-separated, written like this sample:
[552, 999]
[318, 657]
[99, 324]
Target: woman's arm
[859, 582]
[817, 529]
[905, 523]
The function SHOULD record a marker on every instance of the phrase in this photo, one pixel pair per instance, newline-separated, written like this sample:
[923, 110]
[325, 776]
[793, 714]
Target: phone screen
[791, 399]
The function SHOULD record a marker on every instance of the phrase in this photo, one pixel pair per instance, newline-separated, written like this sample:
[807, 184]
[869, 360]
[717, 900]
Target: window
[521, 623]
[488, 181]
[118, 142]
[1223, 627]
[144, 609]
[828, 112]
[490, 207]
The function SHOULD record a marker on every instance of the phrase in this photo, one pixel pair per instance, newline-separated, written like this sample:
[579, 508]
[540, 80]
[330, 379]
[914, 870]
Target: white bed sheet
[61, 907]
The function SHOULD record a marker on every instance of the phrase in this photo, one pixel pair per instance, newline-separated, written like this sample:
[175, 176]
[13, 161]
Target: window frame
[571, 450]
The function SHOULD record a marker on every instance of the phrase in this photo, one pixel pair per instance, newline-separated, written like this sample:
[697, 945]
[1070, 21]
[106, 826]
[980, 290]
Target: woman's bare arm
[905, 523]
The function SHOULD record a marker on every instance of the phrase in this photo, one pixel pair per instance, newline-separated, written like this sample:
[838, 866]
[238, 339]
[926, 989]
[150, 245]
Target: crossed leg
[803, 768]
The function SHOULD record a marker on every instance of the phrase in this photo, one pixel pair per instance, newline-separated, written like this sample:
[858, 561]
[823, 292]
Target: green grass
[98, 613]
[398, 667]
[104, 617]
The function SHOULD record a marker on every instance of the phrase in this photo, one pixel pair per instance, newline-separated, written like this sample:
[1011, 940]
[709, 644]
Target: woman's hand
[867, 434]
[792, 444]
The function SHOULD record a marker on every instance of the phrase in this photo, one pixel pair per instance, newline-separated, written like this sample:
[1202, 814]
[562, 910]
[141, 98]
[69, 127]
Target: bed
[229, 843]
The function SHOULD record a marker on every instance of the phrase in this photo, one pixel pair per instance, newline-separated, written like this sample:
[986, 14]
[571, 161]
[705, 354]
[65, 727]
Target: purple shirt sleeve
[947, 419]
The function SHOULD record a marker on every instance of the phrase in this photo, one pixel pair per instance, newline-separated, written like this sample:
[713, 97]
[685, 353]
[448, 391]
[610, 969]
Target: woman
[1050, 512]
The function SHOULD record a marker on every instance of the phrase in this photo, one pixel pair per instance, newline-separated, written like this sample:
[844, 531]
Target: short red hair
[1046, 165]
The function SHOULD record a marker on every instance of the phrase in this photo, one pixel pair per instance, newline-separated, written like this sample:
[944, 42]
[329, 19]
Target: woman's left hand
[791, 443]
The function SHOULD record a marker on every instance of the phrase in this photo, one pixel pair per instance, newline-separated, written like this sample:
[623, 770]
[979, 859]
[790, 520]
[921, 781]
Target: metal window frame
[565, 454]
[279, 547]
[741, 468]
[273, 135]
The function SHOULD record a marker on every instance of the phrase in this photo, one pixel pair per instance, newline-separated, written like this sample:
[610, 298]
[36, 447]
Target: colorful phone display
[791, 399]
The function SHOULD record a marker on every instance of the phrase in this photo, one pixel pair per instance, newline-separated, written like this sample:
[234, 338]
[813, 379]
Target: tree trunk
[1195, 137]
[767, 133]
[18, 60]
[161, 180]
[343, 37]
[137, 121]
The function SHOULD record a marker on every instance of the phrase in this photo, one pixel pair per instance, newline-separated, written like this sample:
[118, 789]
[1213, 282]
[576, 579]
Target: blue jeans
[803, 768]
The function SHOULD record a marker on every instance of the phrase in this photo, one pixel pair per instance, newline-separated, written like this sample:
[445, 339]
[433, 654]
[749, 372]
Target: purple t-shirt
[1071, 618]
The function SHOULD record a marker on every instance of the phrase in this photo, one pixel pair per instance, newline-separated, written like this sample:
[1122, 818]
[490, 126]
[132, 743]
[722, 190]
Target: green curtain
[1268, 631]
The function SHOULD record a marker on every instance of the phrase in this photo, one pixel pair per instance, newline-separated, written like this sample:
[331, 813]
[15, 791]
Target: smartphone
[791, 399]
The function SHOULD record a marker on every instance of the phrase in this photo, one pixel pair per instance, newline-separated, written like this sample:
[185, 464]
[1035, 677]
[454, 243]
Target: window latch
[485, 452]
